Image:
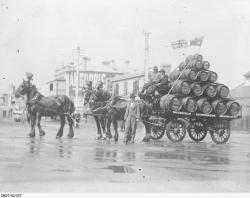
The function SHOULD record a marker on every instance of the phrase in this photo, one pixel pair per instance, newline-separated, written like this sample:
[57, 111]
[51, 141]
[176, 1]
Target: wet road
[83, 164]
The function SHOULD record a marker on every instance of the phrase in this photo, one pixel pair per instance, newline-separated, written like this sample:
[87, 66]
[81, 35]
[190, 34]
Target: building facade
[242, 95]
[66, 79]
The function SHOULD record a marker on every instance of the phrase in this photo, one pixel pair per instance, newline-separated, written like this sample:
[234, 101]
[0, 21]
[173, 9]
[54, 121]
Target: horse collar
[34, 98]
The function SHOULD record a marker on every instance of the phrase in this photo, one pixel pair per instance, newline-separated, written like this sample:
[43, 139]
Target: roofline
[55, 80]
[128, 76]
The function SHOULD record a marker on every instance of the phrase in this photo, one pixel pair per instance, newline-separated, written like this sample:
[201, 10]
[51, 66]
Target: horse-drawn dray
[176, 124]
[195, 103]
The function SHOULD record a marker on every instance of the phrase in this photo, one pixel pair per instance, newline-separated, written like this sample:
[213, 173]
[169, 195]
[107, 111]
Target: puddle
[63, 170]
[120, 169]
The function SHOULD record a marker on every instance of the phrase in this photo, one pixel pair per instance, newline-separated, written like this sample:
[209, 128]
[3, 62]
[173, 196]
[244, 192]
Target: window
[136, 87]
[51, 87]
[125, 88]
[116, 91]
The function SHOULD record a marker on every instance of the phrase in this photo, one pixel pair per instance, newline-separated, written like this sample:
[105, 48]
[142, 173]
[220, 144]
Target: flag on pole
[179, 44]
[197, 41]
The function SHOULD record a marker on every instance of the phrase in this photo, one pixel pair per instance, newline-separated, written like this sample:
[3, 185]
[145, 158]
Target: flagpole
[183, 70]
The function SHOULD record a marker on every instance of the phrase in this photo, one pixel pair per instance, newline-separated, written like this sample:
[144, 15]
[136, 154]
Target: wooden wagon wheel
[197, 131]
[176, 130]
[156, 132]
[221, 136]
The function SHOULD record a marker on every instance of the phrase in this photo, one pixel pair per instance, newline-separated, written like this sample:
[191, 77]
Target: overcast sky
[38, 35]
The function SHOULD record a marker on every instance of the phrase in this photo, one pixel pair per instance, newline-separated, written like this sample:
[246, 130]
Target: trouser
[130, 128]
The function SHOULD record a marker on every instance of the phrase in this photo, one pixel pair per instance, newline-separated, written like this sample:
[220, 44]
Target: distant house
[125, 84]
[242, 95]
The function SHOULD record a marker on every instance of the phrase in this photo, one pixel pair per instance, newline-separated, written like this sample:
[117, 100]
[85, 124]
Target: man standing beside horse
[131, 117]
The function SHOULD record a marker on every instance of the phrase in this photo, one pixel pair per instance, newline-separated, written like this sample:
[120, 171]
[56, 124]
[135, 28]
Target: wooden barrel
[204, 106]
[189, 104]
[196, 89]
[189, 74]
[182, 65]
[203, 75]
[195, 64]
[219, 107]
[181, 87]
[213, 76]
[198, 57]
[170, 103]
[222, 91]
[189, 58]
[233, 108]
[205, 65]
[209, 90]
[174, 75]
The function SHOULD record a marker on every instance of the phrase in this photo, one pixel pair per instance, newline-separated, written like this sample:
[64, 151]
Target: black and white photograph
[116, 97]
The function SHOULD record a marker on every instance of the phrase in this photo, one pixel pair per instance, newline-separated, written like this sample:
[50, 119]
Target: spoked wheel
[156, 132]
[197, 131]
[221, 133]
[221, 136]
[176, 130]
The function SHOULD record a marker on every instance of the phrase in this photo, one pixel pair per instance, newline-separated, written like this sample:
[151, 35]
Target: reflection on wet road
[84, 164]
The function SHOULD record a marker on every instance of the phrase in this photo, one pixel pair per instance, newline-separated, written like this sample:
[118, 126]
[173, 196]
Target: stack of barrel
[194, 88]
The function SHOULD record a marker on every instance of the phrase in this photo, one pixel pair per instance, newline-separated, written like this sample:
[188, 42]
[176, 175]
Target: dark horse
[116, 110]
[97, 100]
[39, 106]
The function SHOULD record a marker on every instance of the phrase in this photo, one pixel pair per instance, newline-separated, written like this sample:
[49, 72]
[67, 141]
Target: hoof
[42, 133]
[125, 141]
[98, 137]
[70, 135]
[31, 135]
[146, 139]
[58, 136]
[116, 137]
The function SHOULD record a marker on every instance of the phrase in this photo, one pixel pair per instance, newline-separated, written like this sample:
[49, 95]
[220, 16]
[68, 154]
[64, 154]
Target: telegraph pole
[79, 53]
[146, 56]
[77, 75]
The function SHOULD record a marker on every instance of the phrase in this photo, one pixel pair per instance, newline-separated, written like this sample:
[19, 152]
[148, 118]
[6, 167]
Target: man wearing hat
[131, 117]
[89, 85]
[162, 83]
[164, 78]
[155, 75]
[29, 76]
[154, 78]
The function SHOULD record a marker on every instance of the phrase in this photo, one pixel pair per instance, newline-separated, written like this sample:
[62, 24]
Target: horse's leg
[109, 120]
[41, 131]
[147, 128]
[71, 130]
[32, 124]
[115, 125]
[99, 133]
[103, 125]
[60, 131]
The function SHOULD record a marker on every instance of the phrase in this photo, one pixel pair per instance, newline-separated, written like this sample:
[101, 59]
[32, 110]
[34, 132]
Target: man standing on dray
[131, 117]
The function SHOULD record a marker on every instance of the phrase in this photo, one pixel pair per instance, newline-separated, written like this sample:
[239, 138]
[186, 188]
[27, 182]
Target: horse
[39, 105]
[116, 110]
[97, 100]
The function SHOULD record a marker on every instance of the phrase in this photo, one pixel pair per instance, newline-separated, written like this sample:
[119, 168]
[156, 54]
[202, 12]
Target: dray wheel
[156, 132]
[176, 130]
[221, 132]
[197, 131]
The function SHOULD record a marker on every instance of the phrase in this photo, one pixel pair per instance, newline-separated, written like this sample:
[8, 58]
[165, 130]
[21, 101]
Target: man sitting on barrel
[160, 83]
